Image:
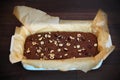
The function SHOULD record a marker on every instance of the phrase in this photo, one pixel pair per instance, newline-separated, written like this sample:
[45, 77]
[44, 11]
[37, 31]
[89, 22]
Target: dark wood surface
[65, 9]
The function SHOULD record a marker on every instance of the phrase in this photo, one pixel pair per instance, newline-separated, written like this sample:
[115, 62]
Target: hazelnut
[38, 50]
[46, 35]
[83, 49]
[78, 39]
[61, 45]
[80, 53]
[36, 54]
[55, 42]
[28, 50]
[74, 46]
[59, 50]
[52, 56]
[68, 44]
[88, 40]
[40, 39]
[72, 37]
[95, 44]
[60, 56]
[78, 46]
[34, 43]
[49, 36]
[39, 35]
[50, 41]
[42, 54]
[78, 35]
[51, 51]
[65, 49]
[79, 50]
[49, 32]
[65, 54]
[42, 42]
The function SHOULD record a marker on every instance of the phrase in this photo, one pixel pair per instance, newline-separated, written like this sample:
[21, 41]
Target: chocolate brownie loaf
[60, 45]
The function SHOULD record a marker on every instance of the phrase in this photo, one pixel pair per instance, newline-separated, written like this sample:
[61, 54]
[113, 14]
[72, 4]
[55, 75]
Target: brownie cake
[60, 45]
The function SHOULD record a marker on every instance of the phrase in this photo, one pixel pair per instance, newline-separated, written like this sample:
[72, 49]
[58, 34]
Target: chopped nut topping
[58, 40]
[59, 50]
[80, 53]
[65, 54]
[42, 54]
[46, 49]
[51, 51]
[55, 42]
[49, 36]
[72, 37]
[78, 35]
[34, 43]
[49, 32]
[78, 39]
[68, 44]
[50, 41]
[88, 40]
[46, 35]
[38, 50]
[60, 36]
[28, 50]
[40, 38]
[79, 50]
[36, 54]
[39, 35]
[66, 49]
[74, 46]
[83, 49]
[60, 44]
[95, 44]
[52, 56]
[60, 56]
[78, 46]
[42, 42]
[66, 40]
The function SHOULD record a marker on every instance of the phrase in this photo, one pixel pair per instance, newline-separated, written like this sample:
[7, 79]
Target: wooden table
[65, 9]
